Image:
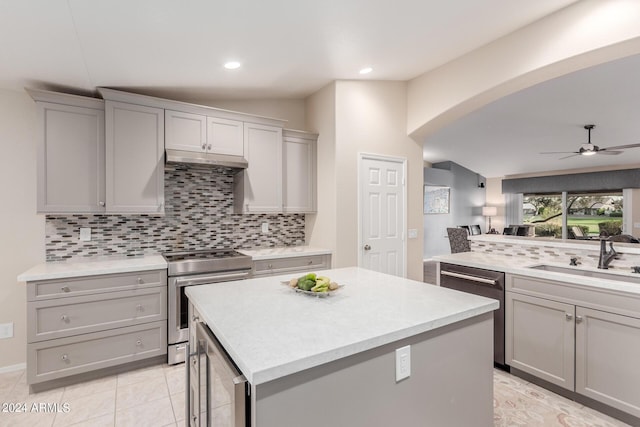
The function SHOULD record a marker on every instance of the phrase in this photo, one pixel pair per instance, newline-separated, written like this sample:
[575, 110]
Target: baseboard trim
[12, 368]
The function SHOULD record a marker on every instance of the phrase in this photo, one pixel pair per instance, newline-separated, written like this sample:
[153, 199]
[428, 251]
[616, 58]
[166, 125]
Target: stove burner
[206, 261]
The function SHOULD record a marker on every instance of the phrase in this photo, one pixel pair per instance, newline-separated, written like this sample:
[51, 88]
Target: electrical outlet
[6, 330]
[85, 234]
[265, 227]
[403, 363]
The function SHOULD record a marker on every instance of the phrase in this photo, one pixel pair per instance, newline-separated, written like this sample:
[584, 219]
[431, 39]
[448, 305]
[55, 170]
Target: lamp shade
[489, 211]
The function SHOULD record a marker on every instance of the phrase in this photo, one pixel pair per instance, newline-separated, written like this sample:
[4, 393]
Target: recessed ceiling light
[232, 65]
[366, 70]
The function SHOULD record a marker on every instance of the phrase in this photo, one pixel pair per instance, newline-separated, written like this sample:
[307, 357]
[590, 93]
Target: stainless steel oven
[191, 268]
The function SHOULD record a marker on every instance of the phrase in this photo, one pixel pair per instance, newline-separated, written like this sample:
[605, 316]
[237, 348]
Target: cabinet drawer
[284, 265]
[61, 288]
[57, 318]
[49, 360]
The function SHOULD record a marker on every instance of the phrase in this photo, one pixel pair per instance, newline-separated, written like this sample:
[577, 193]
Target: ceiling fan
[590, 149]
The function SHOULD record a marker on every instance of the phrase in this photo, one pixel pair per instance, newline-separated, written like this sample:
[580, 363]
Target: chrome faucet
[606, 257]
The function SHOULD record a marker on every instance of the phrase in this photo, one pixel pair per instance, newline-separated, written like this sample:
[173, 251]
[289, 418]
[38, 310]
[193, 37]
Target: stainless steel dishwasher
[486, 283]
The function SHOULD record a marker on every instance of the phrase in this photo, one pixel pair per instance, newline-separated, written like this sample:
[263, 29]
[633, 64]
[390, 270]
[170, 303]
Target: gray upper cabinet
[258, 189]
[199, 133]
[134, 158]
[70, 153]
[225, 136]
[299, 175]
[185, 131]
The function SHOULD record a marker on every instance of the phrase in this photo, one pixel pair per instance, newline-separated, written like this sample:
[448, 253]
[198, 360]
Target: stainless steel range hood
[178, 156]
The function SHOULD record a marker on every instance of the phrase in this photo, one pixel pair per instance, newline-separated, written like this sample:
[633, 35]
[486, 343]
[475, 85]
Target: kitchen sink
[587, 273]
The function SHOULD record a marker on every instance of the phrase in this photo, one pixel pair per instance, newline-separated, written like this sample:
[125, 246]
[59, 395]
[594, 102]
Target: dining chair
[458, 240]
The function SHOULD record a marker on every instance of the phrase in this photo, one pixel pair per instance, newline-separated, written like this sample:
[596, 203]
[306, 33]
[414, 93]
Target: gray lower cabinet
[78, 325]
[305, 264]
[607, 355]
[581, 338]
[542, 338]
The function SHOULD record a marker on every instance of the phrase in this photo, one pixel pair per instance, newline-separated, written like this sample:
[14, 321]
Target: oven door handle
[201, 280]
[469, 278]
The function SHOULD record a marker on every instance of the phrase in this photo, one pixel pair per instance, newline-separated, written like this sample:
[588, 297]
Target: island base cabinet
[607, 358]
[540, 338]
[451, 384]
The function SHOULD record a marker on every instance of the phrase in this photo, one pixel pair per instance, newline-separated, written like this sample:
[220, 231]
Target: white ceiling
[506, 136]
[289, 48]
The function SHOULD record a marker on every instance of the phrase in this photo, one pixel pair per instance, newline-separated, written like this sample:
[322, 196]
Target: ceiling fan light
[588, 152]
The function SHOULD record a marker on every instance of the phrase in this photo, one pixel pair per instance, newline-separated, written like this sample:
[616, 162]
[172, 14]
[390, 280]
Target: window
[586, 214]
[594, 214]
[544, 212]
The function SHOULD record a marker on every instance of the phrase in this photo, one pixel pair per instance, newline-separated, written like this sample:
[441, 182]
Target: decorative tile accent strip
[537, 251]
[198, 215]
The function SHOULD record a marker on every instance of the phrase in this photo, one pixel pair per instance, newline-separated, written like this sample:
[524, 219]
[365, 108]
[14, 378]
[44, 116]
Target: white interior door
[382, 214]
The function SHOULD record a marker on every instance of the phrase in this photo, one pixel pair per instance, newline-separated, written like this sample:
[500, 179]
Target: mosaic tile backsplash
[198, 215]
[537, 251]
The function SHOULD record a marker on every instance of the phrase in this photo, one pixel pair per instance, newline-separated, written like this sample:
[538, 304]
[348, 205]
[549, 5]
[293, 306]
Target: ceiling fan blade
[621, 147]
[559, 152]
[603, 151]
[566, 157]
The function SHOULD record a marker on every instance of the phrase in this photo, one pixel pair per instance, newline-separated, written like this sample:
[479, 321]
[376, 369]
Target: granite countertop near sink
[92, 266]
[284, 252]
[521, 266]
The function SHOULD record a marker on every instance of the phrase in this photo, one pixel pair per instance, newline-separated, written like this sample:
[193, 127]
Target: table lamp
[489, 211]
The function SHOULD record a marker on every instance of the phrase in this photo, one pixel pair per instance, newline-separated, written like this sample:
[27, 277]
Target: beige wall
[494, 197]
[321, 118]
[370, 118]
[587, 33]
[21, 230]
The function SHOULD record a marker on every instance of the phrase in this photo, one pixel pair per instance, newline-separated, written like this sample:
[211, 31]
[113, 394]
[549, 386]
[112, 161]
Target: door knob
[367, 247]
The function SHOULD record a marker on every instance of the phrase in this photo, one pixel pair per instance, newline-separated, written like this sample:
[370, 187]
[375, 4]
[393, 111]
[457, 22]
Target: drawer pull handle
[65, 289]
[139, 343]
[310, 262]
[270, 266]
[64, 318]
[139, 307]
[568, 316]
[65, 357]
[140, 281]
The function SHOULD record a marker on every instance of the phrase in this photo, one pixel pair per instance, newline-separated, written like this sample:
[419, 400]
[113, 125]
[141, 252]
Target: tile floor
[154, 397]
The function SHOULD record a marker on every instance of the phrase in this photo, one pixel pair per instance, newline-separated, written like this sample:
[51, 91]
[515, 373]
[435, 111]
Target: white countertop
[519, 265]
[283, 252]
[629, 248]
[271, 331]
[91, 267]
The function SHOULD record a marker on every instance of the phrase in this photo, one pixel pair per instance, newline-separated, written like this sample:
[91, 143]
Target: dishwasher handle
[470, 278]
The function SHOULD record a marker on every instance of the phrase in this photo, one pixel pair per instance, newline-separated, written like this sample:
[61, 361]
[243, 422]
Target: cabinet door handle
[139, 343]
[64, 318]
[65, 289]
[140, 281]
[568, 316]
[101, 203]
[139, 307]
[65, 357]
[204, 146]
[209, 147]
[578, 319]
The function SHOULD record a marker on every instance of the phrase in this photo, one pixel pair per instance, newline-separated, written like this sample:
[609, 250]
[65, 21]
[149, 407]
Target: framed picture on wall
[436, 199]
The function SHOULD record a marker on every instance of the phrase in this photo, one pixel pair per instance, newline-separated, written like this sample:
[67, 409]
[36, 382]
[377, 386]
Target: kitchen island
[332, 361]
